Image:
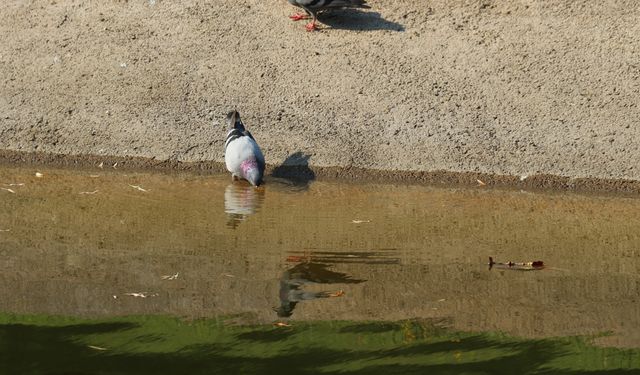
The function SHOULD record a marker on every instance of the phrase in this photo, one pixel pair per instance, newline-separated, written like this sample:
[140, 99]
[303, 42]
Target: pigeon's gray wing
[259, 155]
[248, 134]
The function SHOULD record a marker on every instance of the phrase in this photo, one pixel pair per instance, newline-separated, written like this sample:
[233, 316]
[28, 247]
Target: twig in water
[96, 347]
[138, 188]
[141, 294]
[522, 266]
[88, 192]
[171, 277]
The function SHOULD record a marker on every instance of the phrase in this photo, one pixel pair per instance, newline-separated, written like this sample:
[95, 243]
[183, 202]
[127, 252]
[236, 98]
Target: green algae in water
[33, 344]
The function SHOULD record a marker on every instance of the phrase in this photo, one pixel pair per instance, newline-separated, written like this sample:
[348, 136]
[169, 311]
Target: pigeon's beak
[253, 176]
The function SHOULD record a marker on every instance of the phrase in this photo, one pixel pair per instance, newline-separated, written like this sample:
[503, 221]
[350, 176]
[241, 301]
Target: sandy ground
[496, 87]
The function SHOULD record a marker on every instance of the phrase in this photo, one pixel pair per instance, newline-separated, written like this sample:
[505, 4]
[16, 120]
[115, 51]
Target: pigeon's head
[251, 171]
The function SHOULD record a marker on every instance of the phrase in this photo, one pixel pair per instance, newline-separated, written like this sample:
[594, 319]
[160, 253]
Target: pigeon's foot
[299, 16]
[311, 26]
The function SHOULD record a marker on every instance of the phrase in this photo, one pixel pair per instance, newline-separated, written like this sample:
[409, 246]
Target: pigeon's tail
[349, 3]
[234, 122]
[360, 3]
[324, 4]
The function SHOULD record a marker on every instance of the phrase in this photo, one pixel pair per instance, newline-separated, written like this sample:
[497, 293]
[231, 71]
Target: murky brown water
[78, 242]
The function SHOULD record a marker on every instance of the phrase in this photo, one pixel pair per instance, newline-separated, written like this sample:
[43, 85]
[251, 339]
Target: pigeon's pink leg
[298, 17]
[311, 26]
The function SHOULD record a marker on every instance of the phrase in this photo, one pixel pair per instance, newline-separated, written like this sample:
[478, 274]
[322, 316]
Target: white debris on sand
[171, 277]
[139, 188]
[360, 221]
[141, 294]
[88, 192]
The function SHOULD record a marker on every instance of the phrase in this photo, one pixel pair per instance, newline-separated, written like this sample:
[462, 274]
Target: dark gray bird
[312, 7]
[242, 154]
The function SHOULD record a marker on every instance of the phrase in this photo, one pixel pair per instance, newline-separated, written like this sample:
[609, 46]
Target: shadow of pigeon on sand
[294, 170]
[355, 19]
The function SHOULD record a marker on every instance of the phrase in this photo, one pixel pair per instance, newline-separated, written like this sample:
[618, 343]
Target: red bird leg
[311, 26]
[298, 17]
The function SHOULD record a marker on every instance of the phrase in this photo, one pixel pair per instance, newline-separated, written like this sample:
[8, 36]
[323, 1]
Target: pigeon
[242, 155]
[311, 7]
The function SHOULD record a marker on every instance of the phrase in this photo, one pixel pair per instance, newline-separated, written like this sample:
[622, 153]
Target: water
[91, 244]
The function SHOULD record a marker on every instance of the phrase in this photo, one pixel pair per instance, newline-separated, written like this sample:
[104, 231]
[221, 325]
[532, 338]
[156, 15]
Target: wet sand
[347, 174]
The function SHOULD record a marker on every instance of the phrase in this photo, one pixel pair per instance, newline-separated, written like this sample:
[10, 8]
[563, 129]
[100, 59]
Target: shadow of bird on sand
[355, 19]
[295, 171]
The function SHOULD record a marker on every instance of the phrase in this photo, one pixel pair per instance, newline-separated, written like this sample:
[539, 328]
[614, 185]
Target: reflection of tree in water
[240, 201]
[46, 345]
[296, 277]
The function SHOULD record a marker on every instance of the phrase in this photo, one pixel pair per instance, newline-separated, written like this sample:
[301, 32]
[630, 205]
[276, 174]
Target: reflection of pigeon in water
[311, 7]
[240, 201]
[242, 154]
[295, 278]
